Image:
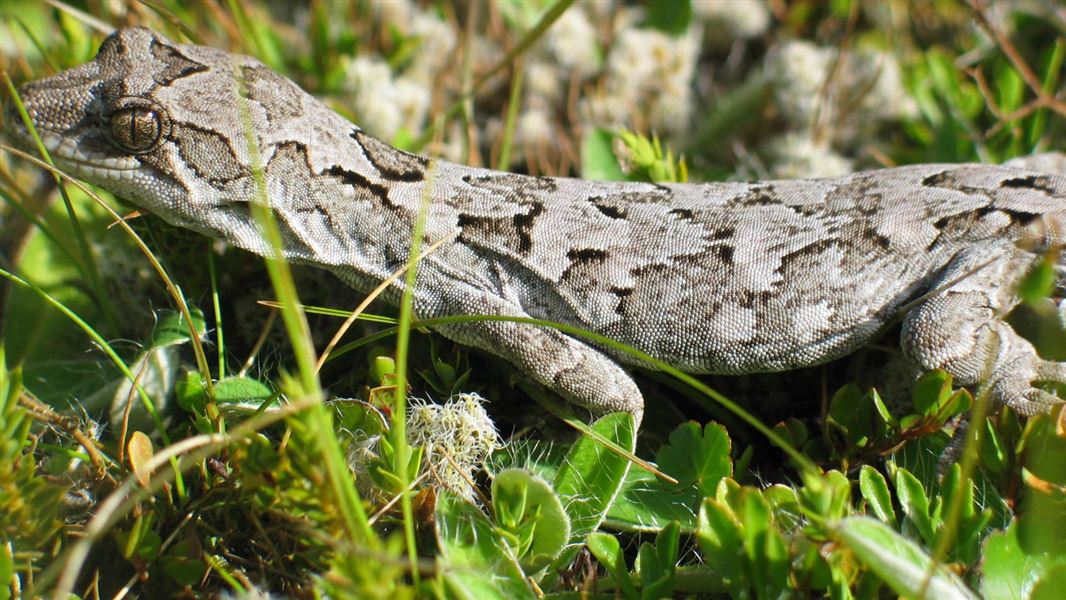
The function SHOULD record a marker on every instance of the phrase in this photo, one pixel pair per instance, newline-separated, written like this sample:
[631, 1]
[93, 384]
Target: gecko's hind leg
[961, 330]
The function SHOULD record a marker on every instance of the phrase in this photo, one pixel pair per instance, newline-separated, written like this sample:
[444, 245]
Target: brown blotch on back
[177, 64]
[393, 164]
[277, 95]
[208, 154]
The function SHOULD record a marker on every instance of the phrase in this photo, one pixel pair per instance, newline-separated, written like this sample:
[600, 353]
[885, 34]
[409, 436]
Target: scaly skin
[711, 278]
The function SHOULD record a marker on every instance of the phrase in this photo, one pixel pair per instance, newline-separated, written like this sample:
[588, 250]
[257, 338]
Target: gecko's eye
[138, 125]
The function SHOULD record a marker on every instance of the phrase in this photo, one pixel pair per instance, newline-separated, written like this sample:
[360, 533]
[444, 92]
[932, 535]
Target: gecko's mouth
[83, 155]
[69, 154]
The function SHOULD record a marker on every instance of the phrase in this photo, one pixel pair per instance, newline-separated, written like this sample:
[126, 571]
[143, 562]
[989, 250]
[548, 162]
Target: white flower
[543, 84]
[456, 437]
[798, 155]
[534, 127]
[798, 70]
[412, 99]
[573, 43]
[864, 89]
[886, 99]
[733, 19]
[651, 73]
[369, 82]
[436, 47]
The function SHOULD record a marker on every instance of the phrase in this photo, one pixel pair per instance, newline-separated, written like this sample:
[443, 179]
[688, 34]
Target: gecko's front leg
[570, 367]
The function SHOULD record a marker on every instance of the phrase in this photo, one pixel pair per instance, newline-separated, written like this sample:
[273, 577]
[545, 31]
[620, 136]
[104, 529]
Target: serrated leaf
[647, 503]
[897, 561]
[695, 457]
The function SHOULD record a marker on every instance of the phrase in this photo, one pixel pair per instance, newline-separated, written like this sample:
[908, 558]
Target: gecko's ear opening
[138, 125]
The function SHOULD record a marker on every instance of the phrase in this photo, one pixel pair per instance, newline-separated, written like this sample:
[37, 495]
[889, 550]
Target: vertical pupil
[135, 116]
[143, 128]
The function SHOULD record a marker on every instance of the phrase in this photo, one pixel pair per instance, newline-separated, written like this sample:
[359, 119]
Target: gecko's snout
[13, 127]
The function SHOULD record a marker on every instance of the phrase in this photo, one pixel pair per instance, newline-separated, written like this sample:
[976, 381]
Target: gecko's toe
[1018, 391]
[1051, 371]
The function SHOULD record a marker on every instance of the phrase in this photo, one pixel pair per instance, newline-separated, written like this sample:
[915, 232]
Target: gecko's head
[155, 122]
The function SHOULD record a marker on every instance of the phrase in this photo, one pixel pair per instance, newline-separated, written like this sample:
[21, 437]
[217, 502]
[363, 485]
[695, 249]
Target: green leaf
[476, 562]
[650, 571]
[995, 455]
[182, 568]
[1039, 283]
[719, 536]
[7, 569]
[862, 418]
[608, 552]
[598, 161]
[764, 546]
[956, 404]
[1010, 570]
[527, 507]
[191, 392]
[592, 474]
[826, 496]
[647, 503]
[242, 390]
[915, 504]
[666, 544]
[874, 489]
[897, 561]
[698, 458]
[931, 391]
[668, 16]
[645, 160]
[381, 368]
[657, 565]
[1042, 526]
[1051, 584]
[171, 328]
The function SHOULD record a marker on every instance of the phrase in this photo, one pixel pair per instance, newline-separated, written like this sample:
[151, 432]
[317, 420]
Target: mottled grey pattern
[711, 278]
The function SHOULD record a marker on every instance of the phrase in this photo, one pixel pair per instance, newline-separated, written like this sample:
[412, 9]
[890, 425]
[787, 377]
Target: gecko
[724, 278]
